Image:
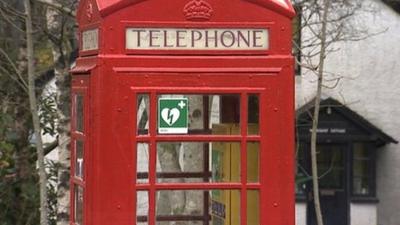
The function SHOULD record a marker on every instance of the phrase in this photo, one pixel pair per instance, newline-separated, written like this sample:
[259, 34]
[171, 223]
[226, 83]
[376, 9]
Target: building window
[302, 175]
[363, 171]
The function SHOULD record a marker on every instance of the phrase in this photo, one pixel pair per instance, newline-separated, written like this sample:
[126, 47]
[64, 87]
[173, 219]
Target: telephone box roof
[284, 7]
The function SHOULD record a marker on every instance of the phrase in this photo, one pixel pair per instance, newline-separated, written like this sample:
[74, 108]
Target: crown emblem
[198, 10]
[89, 11]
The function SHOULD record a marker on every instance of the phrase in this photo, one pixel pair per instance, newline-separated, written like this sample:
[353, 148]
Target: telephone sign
[173, 115]
[197, 39]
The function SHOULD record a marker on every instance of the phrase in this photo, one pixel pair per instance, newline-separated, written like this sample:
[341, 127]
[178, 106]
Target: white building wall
[363, 214]
[301, 213]
[371, 87]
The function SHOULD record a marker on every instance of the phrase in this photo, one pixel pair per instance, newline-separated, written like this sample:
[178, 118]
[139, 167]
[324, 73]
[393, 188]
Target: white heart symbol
[170, 116]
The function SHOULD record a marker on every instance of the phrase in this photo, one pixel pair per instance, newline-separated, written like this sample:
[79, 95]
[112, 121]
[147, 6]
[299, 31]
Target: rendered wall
[370, 86]
[363, 214]
[301, 213]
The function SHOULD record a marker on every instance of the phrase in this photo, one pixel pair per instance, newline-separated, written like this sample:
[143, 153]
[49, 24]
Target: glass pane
[361, 186]
[361, 170]
[225, 207]
[79, 162]
[78, 207]
[142, 207]
[253, 207]
[142, 163]
[253, 166]
[206, 113]
[302, 176]
[253, 115]
[360, 152]
[79, 113]
[331, 167]
[188, 162]
[143, 109]
[195, 206]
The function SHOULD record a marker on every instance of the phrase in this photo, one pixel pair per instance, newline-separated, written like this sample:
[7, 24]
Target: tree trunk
[314, 165]
[35, 115]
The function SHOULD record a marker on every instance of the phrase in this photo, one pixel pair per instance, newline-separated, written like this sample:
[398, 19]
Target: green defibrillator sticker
[173, 116]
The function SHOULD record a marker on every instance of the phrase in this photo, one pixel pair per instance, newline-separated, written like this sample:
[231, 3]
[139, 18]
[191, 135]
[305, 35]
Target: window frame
[77, 135]
[371, 174]
[153, 137]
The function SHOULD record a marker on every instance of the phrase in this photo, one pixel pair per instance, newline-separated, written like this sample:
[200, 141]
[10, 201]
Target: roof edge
[283, 7]
[287, 11]
[107, 10]
[395, 5]
[349, 114]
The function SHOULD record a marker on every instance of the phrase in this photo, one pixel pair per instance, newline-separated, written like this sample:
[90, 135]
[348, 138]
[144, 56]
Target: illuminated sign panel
[90, 40]
[196, 39]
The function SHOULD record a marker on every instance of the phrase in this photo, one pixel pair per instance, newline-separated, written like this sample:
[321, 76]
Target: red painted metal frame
[269, 184]
[108, 7]
[80, 85]
[115, 76]
[153, 138]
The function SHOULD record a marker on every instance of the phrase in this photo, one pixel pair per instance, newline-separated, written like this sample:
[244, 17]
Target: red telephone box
[183, 113]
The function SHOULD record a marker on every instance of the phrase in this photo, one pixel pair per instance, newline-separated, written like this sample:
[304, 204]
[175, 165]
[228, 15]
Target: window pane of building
[361, 170]
[331, 167]
[301, 173]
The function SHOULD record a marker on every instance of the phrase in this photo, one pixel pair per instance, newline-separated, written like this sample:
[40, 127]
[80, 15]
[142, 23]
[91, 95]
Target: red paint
[111, 77]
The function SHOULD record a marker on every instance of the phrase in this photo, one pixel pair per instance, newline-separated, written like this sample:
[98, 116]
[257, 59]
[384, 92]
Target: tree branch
[57, 6]
[14, 67]
[50, 147]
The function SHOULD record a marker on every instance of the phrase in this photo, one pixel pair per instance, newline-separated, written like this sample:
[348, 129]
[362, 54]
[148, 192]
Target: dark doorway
[332, 171]
[346, 155]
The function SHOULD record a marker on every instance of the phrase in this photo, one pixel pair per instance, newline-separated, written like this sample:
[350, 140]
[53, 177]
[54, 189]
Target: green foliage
[43, 55]
[18, 196]
[19, 185]
[48, 114]
[52, 168]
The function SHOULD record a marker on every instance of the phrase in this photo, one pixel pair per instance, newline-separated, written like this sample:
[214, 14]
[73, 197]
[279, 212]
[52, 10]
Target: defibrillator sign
[173, 116]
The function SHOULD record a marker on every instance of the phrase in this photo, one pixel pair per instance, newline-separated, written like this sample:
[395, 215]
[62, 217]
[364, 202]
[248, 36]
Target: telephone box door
[204, 147]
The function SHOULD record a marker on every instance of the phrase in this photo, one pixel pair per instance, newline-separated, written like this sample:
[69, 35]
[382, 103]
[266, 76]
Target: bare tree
[324, 24]
[321, 65]
[35, 115]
